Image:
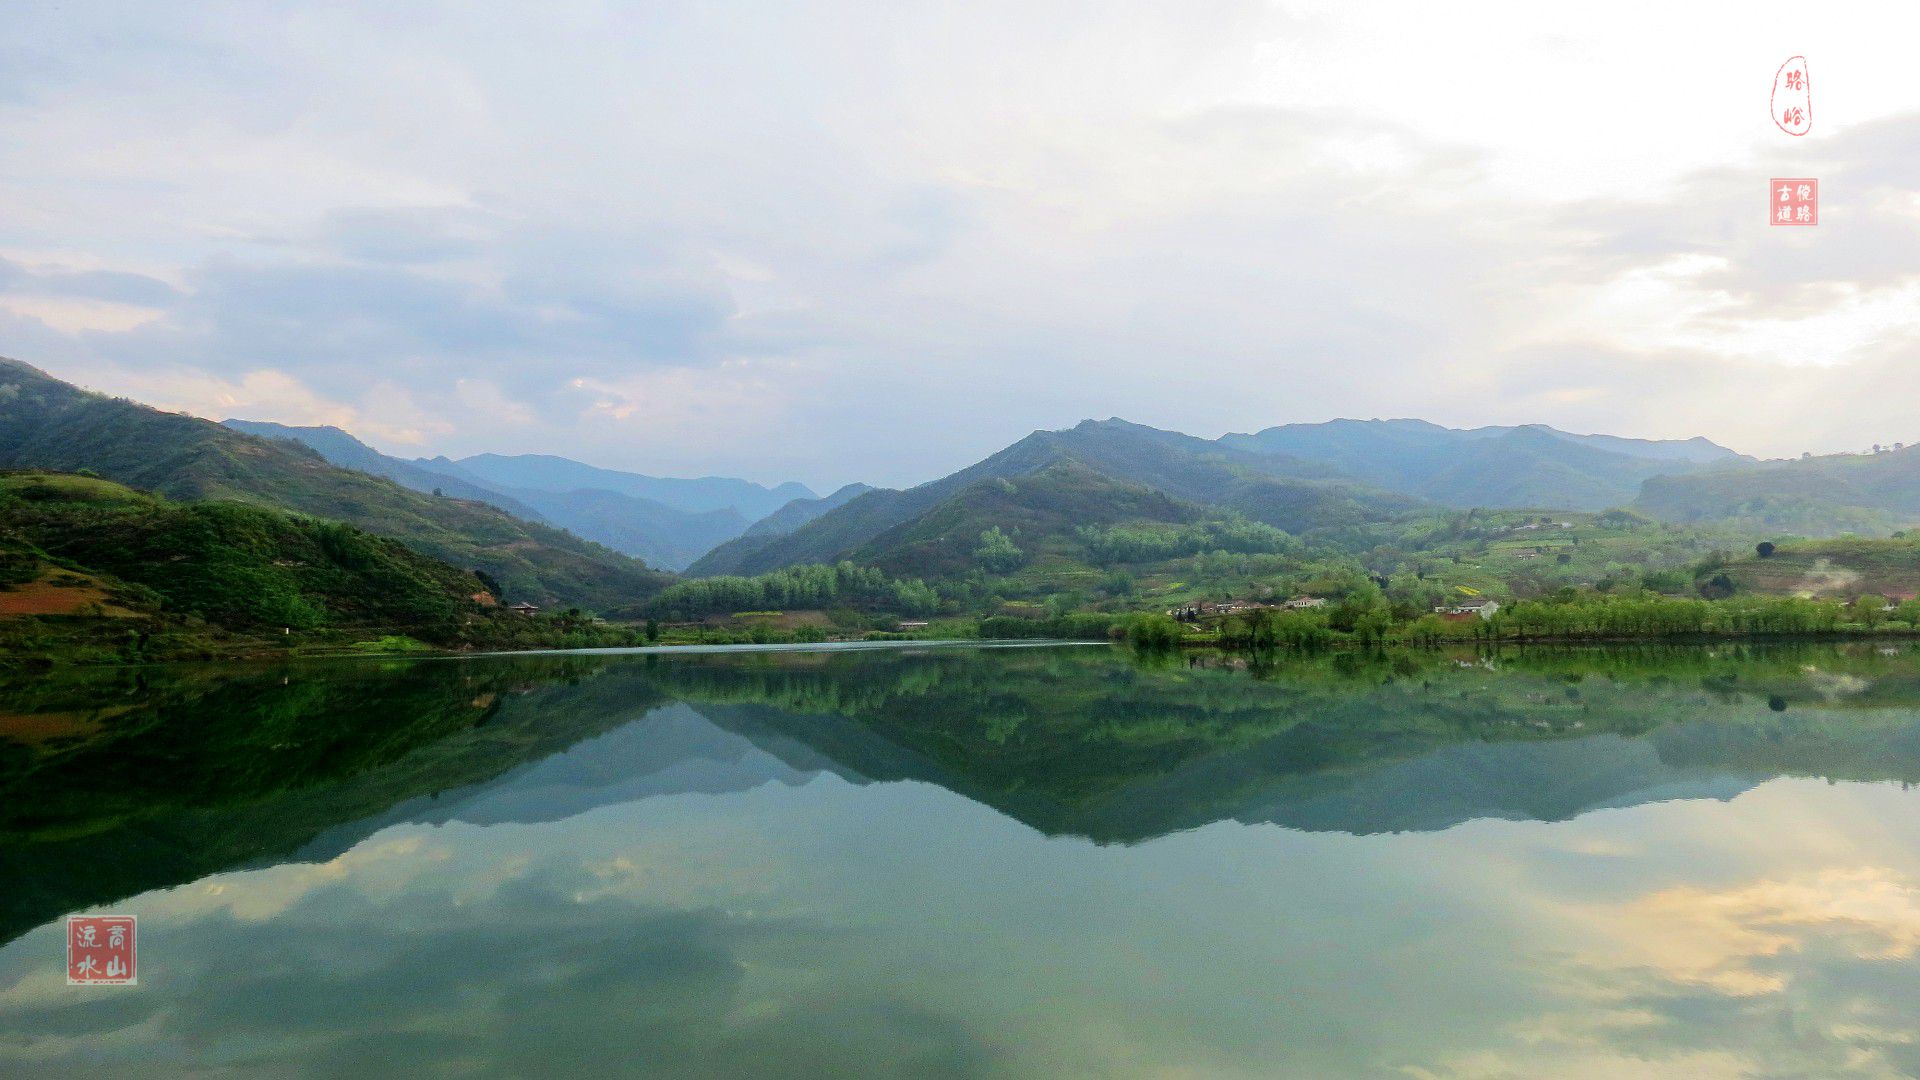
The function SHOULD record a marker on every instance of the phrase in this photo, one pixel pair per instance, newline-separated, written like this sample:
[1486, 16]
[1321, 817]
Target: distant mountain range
[545, 472]
[1493, 467]
[559, 531]
[666, 521]
[1301, 478]
[1289, 493]
[342, 449]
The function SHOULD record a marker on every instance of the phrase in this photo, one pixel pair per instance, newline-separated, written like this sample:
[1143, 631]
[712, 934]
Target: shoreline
[44, 663]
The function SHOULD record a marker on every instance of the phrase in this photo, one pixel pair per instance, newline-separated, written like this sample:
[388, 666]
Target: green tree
[997, 552]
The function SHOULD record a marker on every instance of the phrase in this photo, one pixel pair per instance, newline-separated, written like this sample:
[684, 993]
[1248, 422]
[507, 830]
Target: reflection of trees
[1207, 732]
[137, 778]
[181, 772]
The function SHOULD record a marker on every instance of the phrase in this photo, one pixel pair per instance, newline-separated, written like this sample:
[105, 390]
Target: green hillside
[830, 536]
[1062, 538]
[1818, 496]
[800, 511]
[1041, 511]
[1287, 493]
[84, 560]
[1830, 569]
[48, 424]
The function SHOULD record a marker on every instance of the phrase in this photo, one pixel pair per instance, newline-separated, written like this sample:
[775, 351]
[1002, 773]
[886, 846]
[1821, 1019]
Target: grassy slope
[1842, 569]
[1041, 511]
[243, 568]
[48, 424]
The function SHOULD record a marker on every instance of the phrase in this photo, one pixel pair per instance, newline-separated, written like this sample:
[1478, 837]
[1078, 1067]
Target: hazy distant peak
[553, 473]
[1493, 466]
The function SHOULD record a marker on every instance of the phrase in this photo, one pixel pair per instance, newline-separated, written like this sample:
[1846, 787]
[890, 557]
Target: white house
[1482, 608]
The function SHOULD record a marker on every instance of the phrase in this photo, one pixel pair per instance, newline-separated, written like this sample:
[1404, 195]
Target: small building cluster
[1468, 609]
[1204, 609]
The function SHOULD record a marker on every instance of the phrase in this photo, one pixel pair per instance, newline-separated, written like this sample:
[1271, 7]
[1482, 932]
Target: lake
[973, 862]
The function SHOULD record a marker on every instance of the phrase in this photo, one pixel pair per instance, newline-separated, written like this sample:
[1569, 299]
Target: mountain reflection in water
[642, 795]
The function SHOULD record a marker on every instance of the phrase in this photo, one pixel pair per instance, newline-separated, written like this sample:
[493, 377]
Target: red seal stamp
[1792, 101]
[100, 950]
[1793, 201]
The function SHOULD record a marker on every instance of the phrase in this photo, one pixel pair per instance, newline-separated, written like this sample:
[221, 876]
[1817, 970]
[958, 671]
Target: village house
[1301, 603]
[523, 608]
[1203, 609]
[1468, 608]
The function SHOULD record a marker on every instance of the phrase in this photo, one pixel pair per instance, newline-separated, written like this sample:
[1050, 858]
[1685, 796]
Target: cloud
[109, 285]
[934, 231]
[406, 234]
[370, 966]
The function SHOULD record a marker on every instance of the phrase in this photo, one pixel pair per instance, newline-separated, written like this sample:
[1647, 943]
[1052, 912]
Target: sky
[845, 241]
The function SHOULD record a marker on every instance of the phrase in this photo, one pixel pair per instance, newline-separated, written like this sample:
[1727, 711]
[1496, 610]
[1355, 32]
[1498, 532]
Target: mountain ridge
[551, 472]
[1265, 488]
[1813, 496]
[1501, 467]
[49, 424]
[663, 535]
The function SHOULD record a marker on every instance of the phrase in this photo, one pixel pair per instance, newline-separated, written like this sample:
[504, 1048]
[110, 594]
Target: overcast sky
[845, 241]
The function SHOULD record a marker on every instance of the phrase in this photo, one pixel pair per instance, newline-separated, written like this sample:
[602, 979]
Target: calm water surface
[973, 862]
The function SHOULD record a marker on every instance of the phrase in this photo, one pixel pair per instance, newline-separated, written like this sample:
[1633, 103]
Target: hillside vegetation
[1816, 497]
[1830, 569]
[48, 424]
[89, 560]
[800, 511]
[1287, 493]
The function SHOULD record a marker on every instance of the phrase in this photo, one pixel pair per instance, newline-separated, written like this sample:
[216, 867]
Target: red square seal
[100, 950]
[1793, 201]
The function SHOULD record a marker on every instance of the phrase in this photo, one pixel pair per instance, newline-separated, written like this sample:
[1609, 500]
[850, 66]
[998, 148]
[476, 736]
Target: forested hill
[1815, 496]
[1273, 489]
[78, 545]
[49, 424]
